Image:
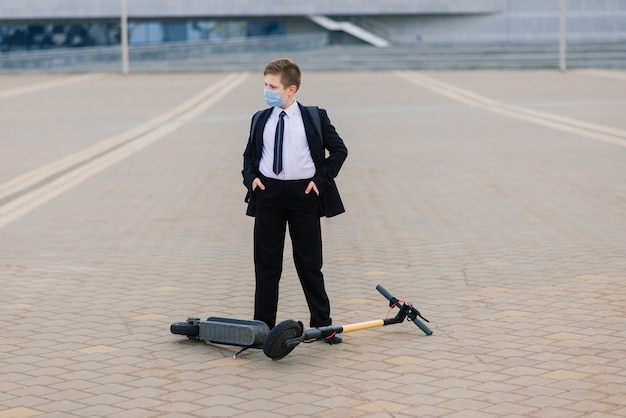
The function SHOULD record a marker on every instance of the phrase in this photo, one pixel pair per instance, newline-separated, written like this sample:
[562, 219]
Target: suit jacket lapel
[317, 151]
[258, 135]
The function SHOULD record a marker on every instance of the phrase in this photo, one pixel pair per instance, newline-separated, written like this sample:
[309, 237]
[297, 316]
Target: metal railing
[104, 58]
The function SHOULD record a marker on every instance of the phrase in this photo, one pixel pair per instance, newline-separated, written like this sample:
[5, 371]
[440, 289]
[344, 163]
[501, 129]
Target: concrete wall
[55, 9]
[404, 22]
[522, 21]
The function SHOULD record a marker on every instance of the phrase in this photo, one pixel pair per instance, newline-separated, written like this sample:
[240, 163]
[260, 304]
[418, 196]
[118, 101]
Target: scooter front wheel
[275, 344]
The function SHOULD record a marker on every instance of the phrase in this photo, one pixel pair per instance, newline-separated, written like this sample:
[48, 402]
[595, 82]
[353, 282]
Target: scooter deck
[240, 332]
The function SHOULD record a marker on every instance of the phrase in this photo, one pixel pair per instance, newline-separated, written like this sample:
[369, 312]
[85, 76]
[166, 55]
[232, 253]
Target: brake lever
[415, 313]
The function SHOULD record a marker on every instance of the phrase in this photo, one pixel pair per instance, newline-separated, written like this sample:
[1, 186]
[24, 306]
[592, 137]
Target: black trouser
[285, 203]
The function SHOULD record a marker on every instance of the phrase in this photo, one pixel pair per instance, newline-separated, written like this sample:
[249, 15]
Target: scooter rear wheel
[185, 328]
[275, 346]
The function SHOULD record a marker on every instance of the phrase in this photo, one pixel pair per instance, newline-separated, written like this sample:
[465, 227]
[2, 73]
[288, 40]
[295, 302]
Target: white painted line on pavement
[37, 175]
[18, 91]
[614, 75]
[169, 122]
[593, 131]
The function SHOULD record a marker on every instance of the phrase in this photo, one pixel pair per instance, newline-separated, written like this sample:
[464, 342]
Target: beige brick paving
[508, 234]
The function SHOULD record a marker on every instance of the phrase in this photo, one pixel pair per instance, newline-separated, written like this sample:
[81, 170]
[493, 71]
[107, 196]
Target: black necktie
[278, 143]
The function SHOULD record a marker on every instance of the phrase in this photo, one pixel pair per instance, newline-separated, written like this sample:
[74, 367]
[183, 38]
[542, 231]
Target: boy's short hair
[287, 69]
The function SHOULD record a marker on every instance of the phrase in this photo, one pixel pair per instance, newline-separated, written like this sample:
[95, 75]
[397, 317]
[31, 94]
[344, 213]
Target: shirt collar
[290, 111]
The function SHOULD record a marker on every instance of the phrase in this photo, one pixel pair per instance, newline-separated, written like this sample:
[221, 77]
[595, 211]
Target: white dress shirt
[297, 161]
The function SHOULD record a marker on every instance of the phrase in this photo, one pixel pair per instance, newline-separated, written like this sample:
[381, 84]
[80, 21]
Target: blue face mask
[272, 97]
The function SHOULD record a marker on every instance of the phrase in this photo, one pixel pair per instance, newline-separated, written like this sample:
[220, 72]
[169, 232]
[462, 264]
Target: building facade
[45, 24]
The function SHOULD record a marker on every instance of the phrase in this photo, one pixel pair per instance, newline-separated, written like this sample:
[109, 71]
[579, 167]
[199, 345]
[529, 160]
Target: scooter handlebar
[419, 323]
[392, 299]
[412, 313]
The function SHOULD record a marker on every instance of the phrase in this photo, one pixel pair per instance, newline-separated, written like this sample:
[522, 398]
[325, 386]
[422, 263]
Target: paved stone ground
[504, 225]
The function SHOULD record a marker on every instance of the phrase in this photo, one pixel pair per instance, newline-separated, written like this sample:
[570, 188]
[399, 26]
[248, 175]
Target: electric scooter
[287, 335]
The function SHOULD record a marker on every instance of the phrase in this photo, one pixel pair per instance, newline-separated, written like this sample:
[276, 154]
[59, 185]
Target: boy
[290, 181]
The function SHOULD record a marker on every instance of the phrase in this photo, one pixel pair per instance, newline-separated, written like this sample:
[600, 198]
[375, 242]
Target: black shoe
[333, 339]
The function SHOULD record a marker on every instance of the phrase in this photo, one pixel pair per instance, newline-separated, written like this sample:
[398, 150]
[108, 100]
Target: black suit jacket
[326, 166]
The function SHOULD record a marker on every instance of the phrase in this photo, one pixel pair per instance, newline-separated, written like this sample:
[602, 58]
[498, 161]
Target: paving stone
[509, 235]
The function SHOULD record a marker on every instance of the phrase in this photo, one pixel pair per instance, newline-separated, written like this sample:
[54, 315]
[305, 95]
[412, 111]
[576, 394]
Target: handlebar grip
[423, 327]
[392, 299]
